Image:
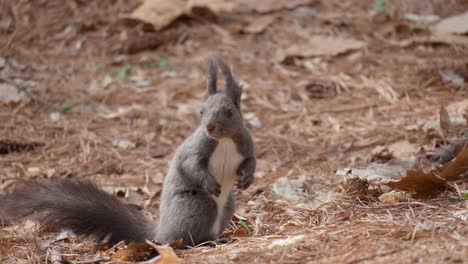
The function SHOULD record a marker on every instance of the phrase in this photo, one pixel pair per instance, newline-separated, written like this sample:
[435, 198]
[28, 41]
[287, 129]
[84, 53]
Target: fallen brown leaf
[135, 252]
[166, 255]
[176, 243]
[161, 13]
[455, 167]
[320, 46]
[420, 184]
[158, 13]
[240, 232]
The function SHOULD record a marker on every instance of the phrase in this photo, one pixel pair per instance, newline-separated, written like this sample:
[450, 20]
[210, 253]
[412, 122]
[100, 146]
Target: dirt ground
[94, 107]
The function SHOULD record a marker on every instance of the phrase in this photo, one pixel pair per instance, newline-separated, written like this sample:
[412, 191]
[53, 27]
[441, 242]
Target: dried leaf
[135, 252]
[420, 184]
[320, 46]
[240, 232]
[378, 174]
[289, 189]
[161, 13]
[176, 243]
[455, 167]
[166, 255]
[454, 25]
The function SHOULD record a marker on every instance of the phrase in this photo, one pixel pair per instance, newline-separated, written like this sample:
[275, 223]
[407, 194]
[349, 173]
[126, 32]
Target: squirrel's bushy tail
[77, 205]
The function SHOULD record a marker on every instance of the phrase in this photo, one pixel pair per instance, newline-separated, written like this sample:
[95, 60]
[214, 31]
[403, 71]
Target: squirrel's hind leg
[188, 216]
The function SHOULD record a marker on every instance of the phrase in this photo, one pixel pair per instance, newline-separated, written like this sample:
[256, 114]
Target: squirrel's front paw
[245, 179]
[212, 186]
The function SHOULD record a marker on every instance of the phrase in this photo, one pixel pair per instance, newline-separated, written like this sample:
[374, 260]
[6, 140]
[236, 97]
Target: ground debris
[9, 146]
[455, 25]
[160, 13]
[394, 197]
[146, 252]
[150, 41]
[421, 185]
[268, 6]
[317, 46]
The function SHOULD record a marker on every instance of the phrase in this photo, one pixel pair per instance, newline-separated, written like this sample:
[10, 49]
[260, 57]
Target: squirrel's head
[220, 113]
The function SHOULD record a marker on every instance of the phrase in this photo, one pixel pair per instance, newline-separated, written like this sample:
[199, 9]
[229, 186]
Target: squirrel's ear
[233, 88]
[211, 77]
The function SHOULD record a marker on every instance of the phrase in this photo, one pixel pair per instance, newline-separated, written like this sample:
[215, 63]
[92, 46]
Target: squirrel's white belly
[223, 165]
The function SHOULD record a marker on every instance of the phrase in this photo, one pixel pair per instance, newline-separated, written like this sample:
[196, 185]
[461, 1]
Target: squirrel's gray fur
[197, 200]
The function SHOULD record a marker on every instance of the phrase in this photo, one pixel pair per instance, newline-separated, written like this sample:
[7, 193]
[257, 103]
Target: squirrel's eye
[229, 112]
[201, 112]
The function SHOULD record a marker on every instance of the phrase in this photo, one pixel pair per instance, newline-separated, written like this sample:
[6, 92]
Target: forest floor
[328, 85]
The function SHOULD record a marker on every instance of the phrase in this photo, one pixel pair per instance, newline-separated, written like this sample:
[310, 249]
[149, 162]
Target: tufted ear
[233, 88]
[211, 77]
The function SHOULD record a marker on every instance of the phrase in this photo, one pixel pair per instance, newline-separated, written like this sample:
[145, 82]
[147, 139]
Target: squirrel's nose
[210, 128]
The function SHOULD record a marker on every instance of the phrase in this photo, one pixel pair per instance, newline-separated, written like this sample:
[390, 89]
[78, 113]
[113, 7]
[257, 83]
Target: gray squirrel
[197, 200]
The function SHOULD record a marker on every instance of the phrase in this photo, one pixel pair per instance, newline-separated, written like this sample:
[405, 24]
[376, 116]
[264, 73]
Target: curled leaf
[420, 184]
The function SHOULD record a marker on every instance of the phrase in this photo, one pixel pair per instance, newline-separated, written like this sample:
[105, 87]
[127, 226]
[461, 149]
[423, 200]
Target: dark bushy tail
[79, 206]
